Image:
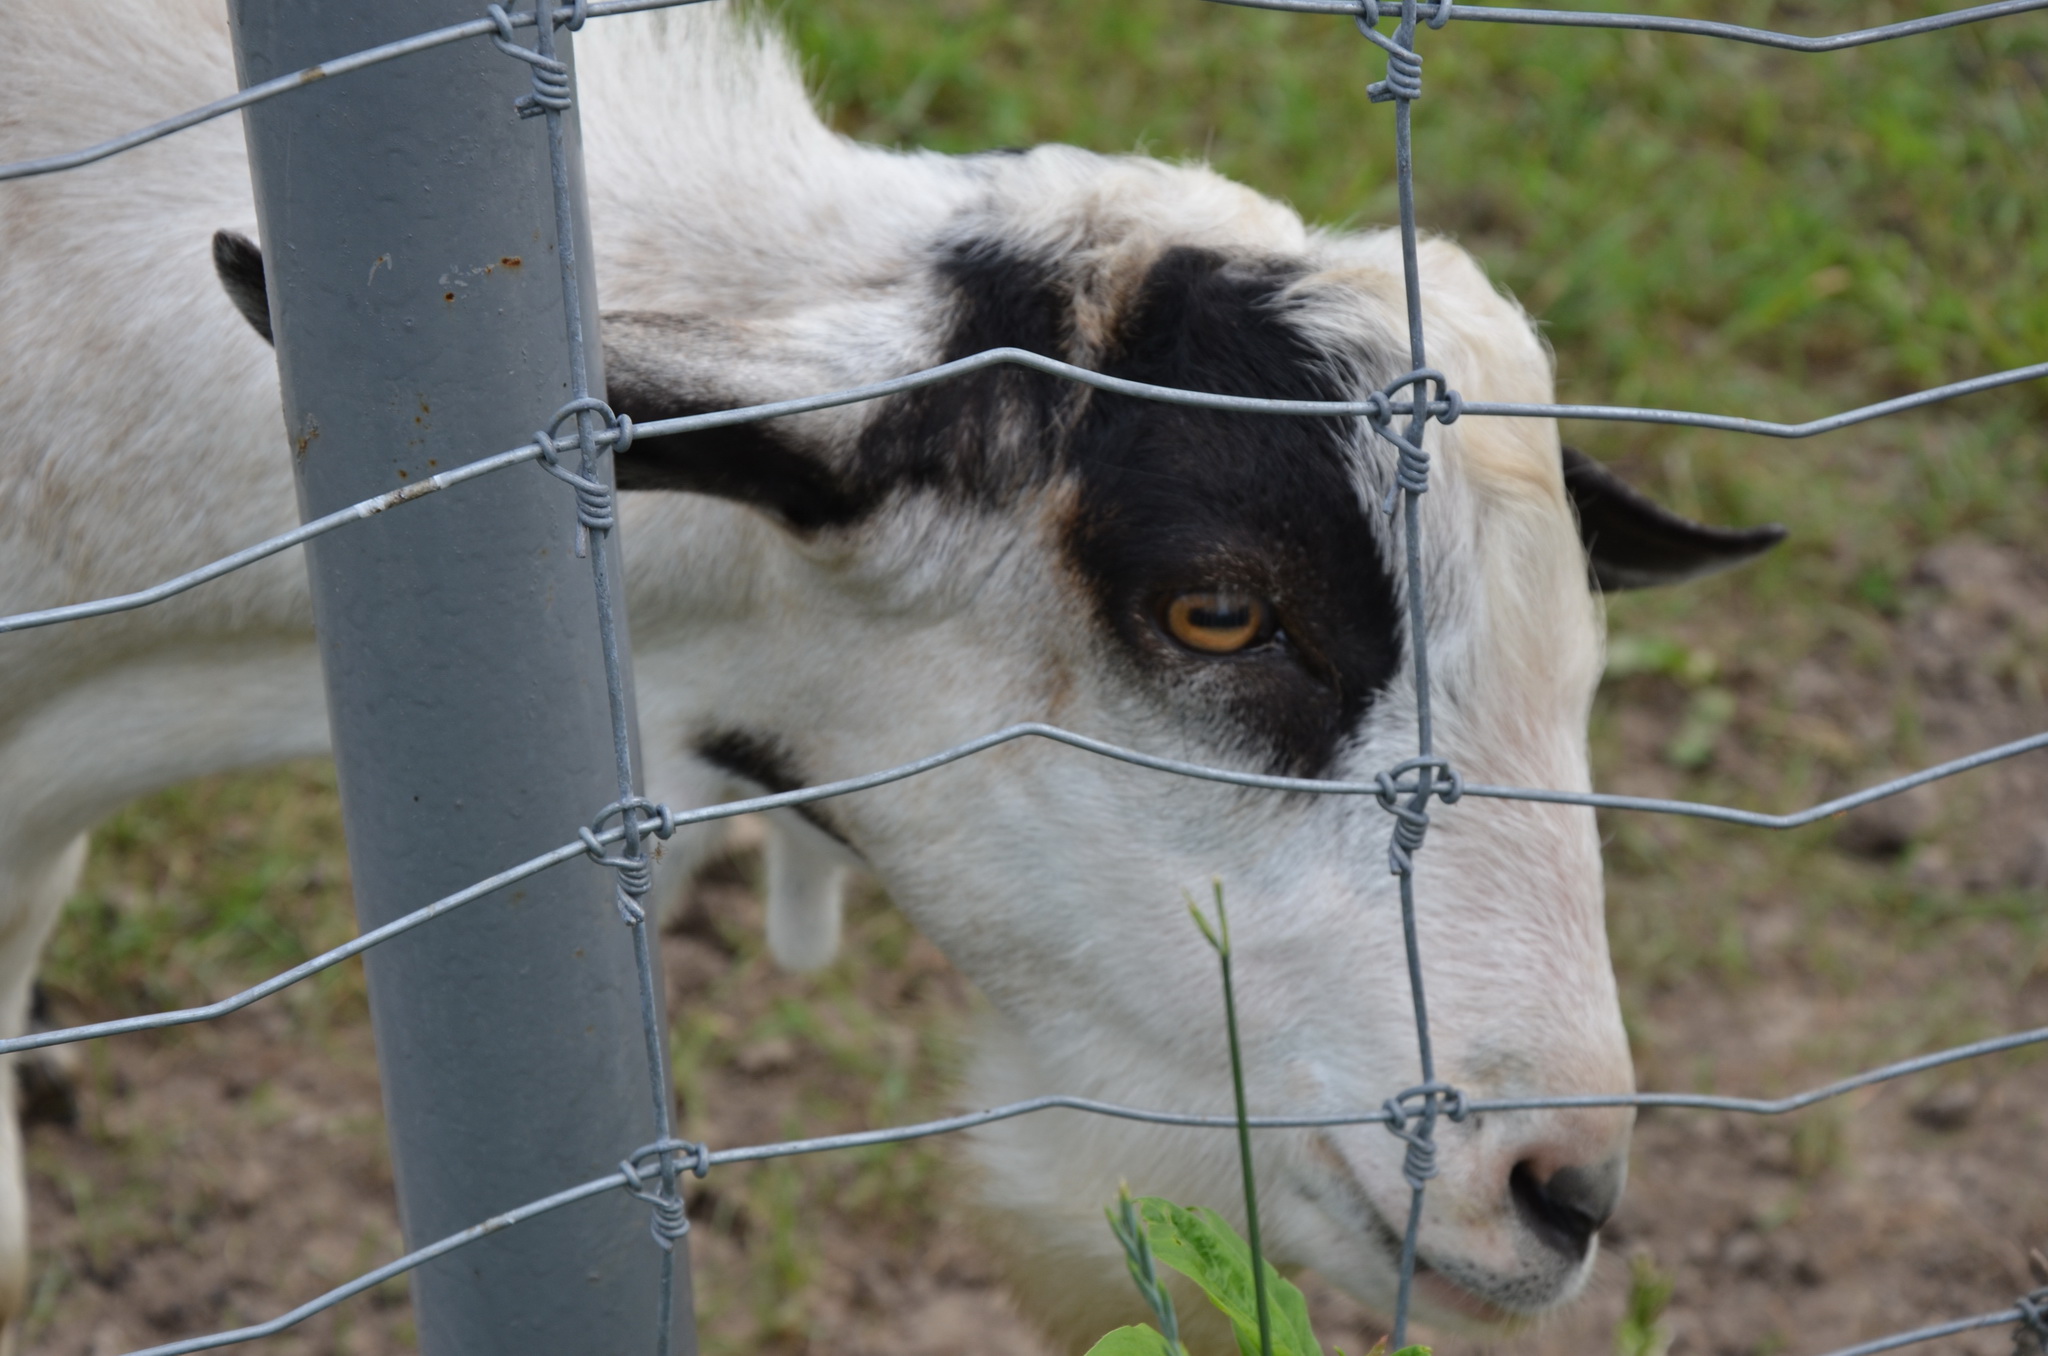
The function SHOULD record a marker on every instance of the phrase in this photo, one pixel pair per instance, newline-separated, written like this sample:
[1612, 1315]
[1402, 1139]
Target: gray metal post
[409, 237]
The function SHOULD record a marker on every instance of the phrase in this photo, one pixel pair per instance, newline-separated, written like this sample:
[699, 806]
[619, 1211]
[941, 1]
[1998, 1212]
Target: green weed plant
[1641, 1331]
[1267, 1312]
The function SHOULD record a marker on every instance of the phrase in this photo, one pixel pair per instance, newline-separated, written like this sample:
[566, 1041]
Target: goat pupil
[1216, 623]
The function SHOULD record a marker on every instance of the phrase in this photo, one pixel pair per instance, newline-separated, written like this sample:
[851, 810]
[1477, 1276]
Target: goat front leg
[32, 895]
[806, 887]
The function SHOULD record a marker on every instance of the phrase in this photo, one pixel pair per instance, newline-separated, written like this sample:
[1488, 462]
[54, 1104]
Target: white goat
[841, 591]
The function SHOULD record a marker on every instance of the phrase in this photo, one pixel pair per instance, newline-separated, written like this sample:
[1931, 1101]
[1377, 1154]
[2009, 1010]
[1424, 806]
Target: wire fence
[585, 429]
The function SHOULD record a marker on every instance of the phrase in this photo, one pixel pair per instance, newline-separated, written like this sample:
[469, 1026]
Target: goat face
[1215, 587]
[838, 592]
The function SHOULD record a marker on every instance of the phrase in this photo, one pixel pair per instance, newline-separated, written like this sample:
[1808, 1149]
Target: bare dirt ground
[228, 1172]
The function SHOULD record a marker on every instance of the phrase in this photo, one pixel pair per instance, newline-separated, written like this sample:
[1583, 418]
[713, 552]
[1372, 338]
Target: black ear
[1633, 542]
[656, 367]
[239, 262]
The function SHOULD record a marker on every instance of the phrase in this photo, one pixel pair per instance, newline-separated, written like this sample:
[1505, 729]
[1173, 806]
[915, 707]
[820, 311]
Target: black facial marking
[1174, 499]
[239, 262]
[979, 438]
[1633, 542]
[984, 436]
[763, 760]
[754, 463]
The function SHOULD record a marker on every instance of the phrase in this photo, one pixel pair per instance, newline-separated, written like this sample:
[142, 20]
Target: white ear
[807, 874]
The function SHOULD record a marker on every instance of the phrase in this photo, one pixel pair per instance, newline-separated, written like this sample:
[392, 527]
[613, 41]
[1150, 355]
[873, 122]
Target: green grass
[1670, 207]
[1640, 1333]
[198, 891]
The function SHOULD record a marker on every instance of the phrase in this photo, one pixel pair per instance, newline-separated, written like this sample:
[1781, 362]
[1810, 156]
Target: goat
[835, 592]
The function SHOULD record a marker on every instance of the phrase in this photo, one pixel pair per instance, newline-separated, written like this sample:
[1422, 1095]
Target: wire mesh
[1398, 414]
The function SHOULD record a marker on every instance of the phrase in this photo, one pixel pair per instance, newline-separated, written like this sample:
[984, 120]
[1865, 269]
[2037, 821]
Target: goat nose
[1568, 1207]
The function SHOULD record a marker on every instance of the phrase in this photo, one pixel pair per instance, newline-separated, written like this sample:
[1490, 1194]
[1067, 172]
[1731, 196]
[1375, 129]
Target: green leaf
[1640, 1333]
[1136, 1340]
[1201, 1245]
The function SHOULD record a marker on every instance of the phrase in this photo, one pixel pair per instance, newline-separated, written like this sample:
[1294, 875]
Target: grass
[1575, 162]
[206, 888]
[866, 1042]
[1640, 1333]
[1693, 224]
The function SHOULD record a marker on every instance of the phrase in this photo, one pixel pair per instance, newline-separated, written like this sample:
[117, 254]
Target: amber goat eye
[1217, 623]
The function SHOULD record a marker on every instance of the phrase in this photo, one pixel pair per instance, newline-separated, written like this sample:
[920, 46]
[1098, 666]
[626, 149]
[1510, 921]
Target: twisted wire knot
[1410, 824]
[670, 1219]
[1381, 413]
[1404, 76]
[1418, 1165]
[1430, 397]
[1369, 14]
[551, 91]
[1411, 820]
[1411, 471]
[1450, 789]
[1404, 63]
[635, 869]
[2030, 1338]
[595, 499]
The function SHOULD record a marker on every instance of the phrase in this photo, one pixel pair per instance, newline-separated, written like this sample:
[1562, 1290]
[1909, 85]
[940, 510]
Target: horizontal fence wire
[1429, 9]
[860, 1139]
[1435, 12]
[1015, 357]
[1381, 410]
[299, 79]
[868, 781]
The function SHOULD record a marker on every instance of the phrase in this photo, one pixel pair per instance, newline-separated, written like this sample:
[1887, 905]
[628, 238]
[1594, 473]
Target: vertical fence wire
[596, 516]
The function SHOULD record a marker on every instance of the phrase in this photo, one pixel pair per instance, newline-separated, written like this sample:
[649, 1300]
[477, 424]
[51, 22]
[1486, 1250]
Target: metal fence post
[409, 240]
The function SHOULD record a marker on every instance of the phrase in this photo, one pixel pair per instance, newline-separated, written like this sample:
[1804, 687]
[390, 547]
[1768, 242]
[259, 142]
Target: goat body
[840, 591]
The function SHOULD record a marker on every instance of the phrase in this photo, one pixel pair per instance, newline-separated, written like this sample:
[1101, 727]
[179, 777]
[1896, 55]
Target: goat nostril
[1569, 1207]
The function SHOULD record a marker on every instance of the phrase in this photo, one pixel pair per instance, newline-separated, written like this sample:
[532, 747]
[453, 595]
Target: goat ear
[766, 465]
[1633, 542]
[668, 367]
[239, 262]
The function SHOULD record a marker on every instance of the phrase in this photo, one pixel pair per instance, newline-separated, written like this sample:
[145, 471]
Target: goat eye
[1218, 623]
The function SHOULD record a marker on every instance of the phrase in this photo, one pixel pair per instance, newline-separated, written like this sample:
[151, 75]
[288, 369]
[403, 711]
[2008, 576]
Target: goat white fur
[975, 568]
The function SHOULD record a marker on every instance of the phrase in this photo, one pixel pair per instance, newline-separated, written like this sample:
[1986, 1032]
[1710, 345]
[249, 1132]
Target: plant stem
[1221, 941]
